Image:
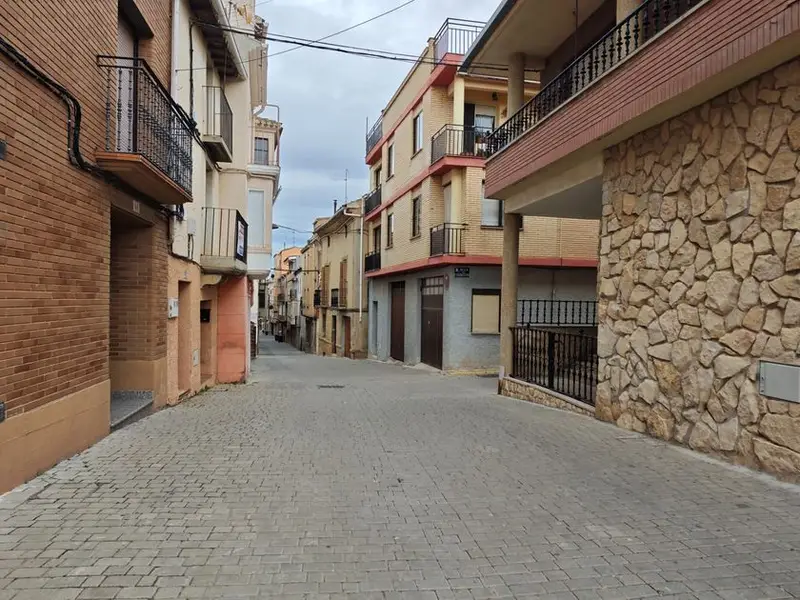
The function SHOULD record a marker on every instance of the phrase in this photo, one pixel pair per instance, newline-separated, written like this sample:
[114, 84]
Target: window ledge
[484, 333]
[492, 227]
[413, 156]
[415, 237]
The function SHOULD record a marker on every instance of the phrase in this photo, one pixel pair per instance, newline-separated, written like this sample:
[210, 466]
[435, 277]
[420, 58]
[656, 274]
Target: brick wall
[54, 218]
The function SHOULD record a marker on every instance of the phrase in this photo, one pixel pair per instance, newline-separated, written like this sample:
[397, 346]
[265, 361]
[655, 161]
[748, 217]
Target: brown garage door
[398, 326]
[432, 337]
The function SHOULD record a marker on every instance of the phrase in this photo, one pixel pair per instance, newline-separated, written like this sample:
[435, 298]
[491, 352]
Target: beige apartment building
[336, 250]
[286, 263]
[436, 238]
[677, 125]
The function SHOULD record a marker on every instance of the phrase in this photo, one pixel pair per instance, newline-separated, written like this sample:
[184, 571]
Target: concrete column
[458, 100]
[509, 287]
[516, 82]
[626, 7]
[456, 195]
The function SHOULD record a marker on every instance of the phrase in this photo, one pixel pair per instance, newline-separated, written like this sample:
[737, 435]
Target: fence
[563, 362]
[557, 312]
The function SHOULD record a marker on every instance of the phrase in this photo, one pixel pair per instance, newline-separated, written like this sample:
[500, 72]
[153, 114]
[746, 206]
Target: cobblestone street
[328, 478]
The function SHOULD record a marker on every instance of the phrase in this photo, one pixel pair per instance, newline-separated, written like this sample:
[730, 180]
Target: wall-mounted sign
[462, 271]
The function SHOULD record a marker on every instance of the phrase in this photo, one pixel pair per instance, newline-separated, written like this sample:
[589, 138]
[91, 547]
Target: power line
[345, 49]
[370, 20]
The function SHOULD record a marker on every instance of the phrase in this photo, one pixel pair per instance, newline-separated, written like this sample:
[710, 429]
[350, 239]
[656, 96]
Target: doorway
[432, 330]
[333, 334]
[398, 321]
[347, 340]
[184, 338]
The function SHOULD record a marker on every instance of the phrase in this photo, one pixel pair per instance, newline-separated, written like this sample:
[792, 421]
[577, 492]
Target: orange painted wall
[232, 330]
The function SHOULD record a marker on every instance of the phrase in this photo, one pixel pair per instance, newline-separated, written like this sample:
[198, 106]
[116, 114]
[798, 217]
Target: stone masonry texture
[401, 484]
[699, 275]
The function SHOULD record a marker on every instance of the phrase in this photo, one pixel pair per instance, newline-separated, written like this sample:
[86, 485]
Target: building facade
[435, 236]
[286, 263]
[340, 296]
[679, 128]
[85, 250]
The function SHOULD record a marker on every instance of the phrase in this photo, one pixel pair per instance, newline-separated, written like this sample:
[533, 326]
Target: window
[491, 210]
[376, 239]
[484, 124]
[486, 311]
[390, 161]
[417, 124]
[389, 230]
[261, 151]
[415, 217]
[377, 183]
[256, 219]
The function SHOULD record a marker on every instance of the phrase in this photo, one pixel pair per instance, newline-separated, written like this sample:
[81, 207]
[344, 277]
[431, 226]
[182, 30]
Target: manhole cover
[330, 387]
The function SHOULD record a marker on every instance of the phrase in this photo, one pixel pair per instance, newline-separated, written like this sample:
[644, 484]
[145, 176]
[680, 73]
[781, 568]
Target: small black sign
[462, 271]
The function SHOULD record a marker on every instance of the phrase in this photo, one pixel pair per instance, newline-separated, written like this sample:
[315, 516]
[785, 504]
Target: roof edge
[491, 25]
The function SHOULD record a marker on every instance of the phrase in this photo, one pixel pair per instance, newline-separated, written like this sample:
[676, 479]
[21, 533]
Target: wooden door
[398, 321]
[432, 330]
[346, 325]
[333, 335]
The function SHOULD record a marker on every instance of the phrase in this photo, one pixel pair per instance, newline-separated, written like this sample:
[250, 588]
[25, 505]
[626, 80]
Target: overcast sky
[326, 97]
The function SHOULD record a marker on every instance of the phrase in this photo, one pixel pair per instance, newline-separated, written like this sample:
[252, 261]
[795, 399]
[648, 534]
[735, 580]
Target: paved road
[401, 484]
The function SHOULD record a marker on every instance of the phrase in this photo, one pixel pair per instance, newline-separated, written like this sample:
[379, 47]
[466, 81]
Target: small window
[329, 241]
[389, 230]
[415, 217]
[417, 124]
[261, 151]
[377, 178]
[486, 311]
[390, 161]
[491, 210]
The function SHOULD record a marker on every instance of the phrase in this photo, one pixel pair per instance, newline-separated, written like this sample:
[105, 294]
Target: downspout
[191, 70]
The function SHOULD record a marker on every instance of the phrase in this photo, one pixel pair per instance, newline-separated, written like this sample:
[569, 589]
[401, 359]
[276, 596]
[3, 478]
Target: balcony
[217, 134]
[375, 134]
[262, 162]
[459, 140]
[614, 48]
[373, 200]
[224, 242]
[148, 137]
[455, 37]
[447, 238]
[335, 298]
[372, 262]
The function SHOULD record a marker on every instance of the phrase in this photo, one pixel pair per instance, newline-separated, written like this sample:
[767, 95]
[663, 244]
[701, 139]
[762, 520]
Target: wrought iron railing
[375, 134]
[142, 118]
[455, 37]
[563, 362]
[373, 200]
[224, 233]
[621, 42]
[447, 238]
[459, 140]
[334, 298]
[557, 312]
[219, 116]
[317, 299]
[372, 262]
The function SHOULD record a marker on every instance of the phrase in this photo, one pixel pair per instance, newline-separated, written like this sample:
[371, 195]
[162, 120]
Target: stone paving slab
[403, 484]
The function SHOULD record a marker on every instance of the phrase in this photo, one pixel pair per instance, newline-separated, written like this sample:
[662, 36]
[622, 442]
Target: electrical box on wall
[195, 357]
[780, 381]
[191, 226]
[172, 308]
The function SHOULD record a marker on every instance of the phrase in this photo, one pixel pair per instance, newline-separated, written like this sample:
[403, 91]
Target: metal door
[398, 321]
[432, 334]
[346, 325]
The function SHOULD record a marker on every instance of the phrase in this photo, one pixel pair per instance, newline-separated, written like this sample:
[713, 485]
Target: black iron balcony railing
[224, 234]
[375, 134]
[619, 44]
[455, 37]
[317, 298]
[334, 298]
[372, 262]
[563, 362]
[373, 200]
[142, 118]
[459, 140]
[219, 116]
[447, 238]
[557, 312]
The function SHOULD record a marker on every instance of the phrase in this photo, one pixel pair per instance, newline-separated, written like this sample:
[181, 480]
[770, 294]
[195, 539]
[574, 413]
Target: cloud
[326, 97]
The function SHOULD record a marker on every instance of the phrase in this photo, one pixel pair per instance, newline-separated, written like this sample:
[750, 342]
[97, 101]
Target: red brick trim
[481, 260]
[714, 38]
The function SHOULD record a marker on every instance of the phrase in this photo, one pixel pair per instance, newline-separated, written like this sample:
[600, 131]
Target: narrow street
[324, 477]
